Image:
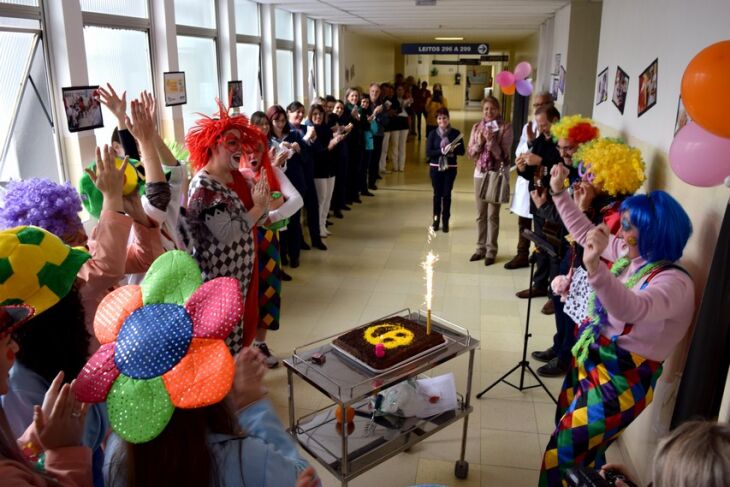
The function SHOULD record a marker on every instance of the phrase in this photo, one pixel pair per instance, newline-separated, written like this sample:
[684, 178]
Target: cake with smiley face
[385, 343]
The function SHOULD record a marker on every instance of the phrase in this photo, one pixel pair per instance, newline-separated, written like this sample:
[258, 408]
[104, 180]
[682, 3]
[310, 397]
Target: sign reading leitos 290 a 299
[481, 49]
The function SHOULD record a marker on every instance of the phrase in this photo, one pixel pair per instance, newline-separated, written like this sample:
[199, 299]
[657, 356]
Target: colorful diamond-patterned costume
[606, 388]
[162, 347]
[269, 262]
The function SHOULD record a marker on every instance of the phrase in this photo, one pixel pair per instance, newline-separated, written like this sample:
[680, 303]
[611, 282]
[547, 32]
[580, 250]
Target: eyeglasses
[566, 148]
[538, 105]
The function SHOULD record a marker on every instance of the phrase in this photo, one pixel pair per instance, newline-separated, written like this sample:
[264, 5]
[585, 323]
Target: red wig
[582, 132]
[208, 132]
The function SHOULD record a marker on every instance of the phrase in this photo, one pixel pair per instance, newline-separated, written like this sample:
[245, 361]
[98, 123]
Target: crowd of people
[134, 355]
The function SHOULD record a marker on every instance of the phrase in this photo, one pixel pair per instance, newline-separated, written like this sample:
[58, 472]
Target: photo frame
[620, 89]
[235, 94]
[175, 89]
[562, 79]
[555, 88]
[683, 117]
[556, 67]
[602, 86]
[82, 107]
[648, 87]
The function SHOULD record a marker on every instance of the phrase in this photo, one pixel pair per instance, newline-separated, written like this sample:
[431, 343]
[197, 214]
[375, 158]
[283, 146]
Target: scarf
[598, 316]
[443, 159]
[486, 159]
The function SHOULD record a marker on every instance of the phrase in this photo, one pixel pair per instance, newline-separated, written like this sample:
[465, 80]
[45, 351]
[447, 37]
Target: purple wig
[43, 203]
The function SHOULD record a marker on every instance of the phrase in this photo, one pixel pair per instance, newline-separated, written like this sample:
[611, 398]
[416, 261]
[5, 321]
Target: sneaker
[518, 262]
[536, 293]
[548, 308]
[545, 356]
[271, 361]
[552, 369]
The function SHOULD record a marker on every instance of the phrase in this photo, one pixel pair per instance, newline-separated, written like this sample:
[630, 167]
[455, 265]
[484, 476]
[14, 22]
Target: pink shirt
[661, 313]
[112, 257]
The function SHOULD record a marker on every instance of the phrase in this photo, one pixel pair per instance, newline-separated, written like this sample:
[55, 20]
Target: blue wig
[664, 227]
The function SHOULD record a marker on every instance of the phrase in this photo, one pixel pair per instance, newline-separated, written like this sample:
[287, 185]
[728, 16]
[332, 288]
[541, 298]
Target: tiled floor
[372, 268]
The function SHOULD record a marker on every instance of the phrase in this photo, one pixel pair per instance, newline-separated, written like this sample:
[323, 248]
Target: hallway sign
[481, 49]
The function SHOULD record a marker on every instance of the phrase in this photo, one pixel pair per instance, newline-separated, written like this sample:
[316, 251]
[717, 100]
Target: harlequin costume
[635, 321]
[220, 229]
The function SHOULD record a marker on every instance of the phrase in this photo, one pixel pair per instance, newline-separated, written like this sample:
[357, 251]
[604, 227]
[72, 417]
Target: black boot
[445, 226]
[436, 223]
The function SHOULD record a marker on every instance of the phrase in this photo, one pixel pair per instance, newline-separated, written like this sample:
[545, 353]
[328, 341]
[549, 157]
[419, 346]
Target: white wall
[633, 34]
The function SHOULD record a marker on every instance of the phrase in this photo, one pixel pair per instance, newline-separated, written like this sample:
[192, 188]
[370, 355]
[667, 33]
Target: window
[28, 3]
[311, 32]
[328, 73]
[312, 75]
[284, 25]
[327, 35]
[127, 8]
[196, 13]
[120, 57]
[284, 77]
[26, 135]
[247, 18]
[198, 60]
[249, 71]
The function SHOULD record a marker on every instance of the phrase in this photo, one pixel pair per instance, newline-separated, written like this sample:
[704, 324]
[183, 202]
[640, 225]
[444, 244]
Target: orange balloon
[704, 88]
[508, 90]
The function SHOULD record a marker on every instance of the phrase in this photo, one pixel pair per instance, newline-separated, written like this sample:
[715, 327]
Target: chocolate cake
[401, 339]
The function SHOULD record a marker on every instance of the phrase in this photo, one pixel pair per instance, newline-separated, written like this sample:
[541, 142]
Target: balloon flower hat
[162, 347]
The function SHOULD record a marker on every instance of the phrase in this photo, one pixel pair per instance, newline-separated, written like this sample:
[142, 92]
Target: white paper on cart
[443, 387]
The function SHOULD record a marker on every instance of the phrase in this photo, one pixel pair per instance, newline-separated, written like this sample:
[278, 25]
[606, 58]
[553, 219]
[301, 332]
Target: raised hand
[596, 243]
[261, 193]
[531, 134]
[115, 104]
[558, 174]
[247, 381]
[64, 425]
[142, 122]
[583, 195]
[108, 178]
[132, 204]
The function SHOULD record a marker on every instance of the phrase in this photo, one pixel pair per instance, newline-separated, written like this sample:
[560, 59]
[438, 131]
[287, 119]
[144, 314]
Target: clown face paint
[8, 349]
[231, 144]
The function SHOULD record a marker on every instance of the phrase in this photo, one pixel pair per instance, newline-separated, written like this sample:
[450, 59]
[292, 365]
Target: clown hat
[91, 197]
[162, 347]
[12, 317]
[36, 268]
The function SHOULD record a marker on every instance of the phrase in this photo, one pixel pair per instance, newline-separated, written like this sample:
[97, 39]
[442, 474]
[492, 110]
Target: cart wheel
[461, 470]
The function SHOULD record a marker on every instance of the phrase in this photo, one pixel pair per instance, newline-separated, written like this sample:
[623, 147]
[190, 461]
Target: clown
[263, 301]
[638, 311]
[223, 209]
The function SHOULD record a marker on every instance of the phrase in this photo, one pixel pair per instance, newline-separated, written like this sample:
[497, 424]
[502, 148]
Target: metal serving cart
[346, 451]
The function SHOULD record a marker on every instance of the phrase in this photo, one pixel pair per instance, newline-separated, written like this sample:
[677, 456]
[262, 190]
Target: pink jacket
[661, 313]
[499, 144]
[112, 258]
[69, 467]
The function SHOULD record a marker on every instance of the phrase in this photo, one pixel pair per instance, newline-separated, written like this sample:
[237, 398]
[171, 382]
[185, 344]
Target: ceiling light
[425, 3]
[449, 38]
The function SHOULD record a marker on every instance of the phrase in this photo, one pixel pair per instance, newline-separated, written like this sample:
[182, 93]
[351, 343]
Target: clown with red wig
[223, 206]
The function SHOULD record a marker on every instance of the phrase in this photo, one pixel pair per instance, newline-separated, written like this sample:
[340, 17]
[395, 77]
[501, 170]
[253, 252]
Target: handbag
[495, 186]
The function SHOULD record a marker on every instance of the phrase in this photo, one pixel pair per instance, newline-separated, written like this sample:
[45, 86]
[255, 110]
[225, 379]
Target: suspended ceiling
[403, 21]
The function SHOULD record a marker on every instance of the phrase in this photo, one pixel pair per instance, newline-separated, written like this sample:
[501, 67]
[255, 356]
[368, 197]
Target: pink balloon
[524, 87]
[505, 78]
[699, 157]
[523, 70]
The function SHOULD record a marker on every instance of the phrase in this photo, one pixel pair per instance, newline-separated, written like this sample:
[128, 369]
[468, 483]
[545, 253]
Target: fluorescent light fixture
[449, 38]
[425, 3]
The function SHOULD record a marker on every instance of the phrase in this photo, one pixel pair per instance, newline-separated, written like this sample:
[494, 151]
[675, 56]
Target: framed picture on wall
[556, 67]
[620, 88]
[562, 79]
[554, 89]
[83, 109]
[683, 117]
[647, 87]
[235, 94]
[175, 92]
[602, 86]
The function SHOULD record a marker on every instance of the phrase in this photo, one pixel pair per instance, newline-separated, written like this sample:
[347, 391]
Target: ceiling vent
[425, 3]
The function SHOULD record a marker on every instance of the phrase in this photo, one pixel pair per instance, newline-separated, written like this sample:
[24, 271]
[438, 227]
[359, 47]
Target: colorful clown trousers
[598, 401]
[269, 267]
